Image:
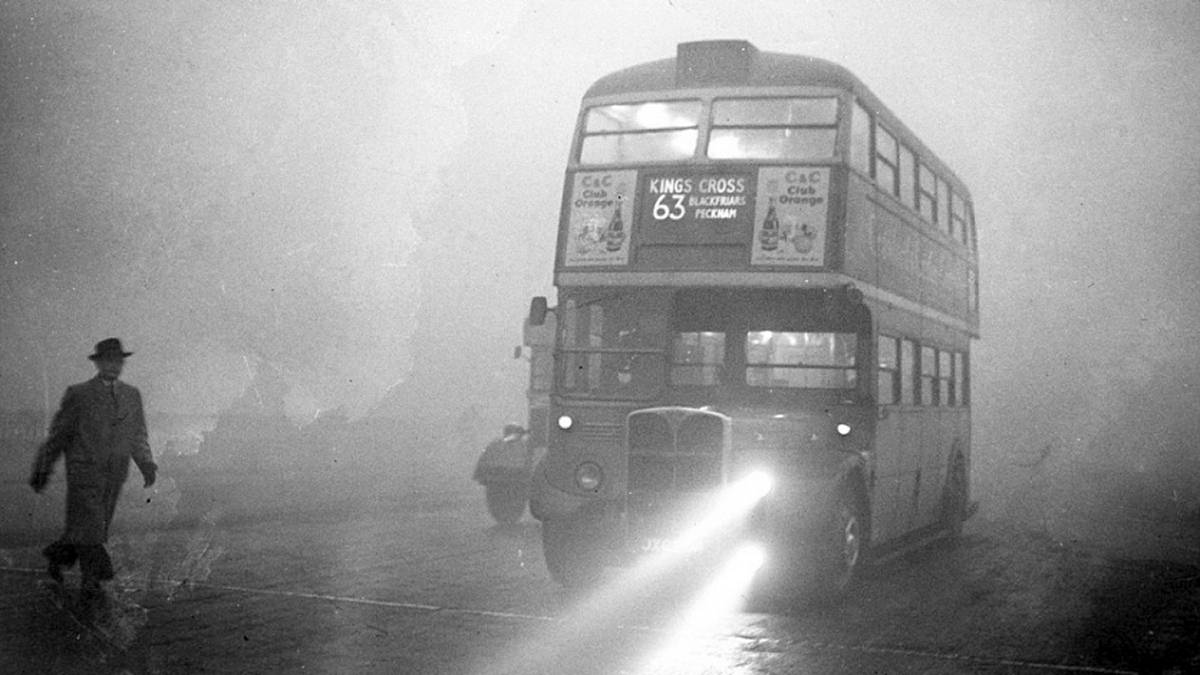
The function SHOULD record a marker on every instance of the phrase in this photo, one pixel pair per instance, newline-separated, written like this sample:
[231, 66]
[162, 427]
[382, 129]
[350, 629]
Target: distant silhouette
[99, 427]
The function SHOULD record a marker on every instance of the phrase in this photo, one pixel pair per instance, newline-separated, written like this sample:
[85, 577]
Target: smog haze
[363, 197]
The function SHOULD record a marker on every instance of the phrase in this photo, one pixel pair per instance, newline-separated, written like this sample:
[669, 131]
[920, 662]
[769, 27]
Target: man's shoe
[55, 572]
[93, 599]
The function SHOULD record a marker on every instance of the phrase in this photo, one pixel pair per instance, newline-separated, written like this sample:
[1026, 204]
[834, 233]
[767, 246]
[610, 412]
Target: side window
[972, 291]
[927, 194]
[570, 334]
[929, 392]
[885, 159]
[889, 371]
[969, 235]
[962, 379]
[958, 218]
[943, 204]
[908, 364]
[860, 139]
[946, 378]
[908, 177]
[958, 379]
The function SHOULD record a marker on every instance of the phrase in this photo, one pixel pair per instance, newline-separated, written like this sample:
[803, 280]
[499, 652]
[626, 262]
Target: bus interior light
[844, 429]
[565, 422]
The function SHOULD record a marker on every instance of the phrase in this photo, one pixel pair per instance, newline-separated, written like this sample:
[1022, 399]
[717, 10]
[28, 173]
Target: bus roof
[738, 63]
[724, 63]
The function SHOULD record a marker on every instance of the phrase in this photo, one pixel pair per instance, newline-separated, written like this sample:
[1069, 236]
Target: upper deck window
[773, 128]
[927, 193]
[908, 176]
[860, 139]
[886, 161]
[958, 217]
[640, 132]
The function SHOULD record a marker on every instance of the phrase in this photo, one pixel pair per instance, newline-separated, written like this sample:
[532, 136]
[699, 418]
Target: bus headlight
[758, 484]
[741, 495]
[750, 557]
[589, 476]
[565, 422]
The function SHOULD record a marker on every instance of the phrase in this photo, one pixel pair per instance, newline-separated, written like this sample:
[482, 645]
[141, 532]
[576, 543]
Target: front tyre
[506, 501]
[842, 545]
[572, 552]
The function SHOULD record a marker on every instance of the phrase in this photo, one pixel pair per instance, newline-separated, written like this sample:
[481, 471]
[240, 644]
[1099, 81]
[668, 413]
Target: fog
[354, 202]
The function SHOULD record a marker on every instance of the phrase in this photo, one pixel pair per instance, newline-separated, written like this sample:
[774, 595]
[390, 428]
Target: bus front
[712, 359]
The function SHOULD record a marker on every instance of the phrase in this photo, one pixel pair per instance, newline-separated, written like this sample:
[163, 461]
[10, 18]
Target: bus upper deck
[728, 166]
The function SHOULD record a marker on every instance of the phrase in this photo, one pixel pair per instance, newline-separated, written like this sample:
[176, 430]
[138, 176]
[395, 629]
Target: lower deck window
[697, 359]
[889, 371]
[801, 359]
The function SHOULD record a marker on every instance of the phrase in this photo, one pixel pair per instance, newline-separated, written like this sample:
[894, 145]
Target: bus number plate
[667, 545]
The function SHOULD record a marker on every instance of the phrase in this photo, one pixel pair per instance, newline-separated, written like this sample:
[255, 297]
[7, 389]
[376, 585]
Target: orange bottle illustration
[614, 236]
[768, 238]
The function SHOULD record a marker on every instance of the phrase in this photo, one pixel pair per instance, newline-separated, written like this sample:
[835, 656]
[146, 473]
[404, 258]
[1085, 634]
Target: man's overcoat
[98, 428]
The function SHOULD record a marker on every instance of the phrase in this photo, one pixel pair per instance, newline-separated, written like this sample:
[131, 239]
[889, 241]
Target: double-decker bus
[760, 271]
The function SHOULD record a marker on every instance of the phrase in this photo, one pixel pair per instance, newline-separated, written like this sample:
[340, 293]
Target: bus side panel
[889, 246]
[897, 447]
[937, 433]
[898, 441]
[861, 261]
[898, 247]
[951, 426]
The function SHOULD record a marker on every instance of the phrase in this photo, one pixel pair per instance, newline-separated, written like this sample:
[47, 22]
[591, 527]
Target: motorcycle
[505, 469]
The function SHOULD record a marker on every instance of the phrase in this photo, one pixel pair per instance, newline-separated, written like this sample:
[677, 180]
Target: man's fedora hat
[109, 348]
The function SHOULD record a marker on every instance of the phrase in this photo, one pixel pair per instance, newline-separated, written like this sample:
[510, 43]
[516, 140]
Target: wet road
[415, 578]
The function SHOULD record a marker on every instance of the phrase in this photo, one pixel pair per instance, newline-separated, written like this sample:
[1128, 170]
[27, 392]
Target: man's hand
[38, 481]
[149, 472]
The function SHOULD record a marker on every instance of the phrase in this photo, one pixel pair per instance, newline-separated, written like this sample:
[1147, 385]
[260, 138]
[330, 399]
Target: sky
[363, 196]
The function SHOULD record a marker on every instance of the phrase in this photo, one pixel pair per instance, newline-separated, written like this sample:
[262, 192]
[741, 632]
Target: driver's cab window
[610, 345]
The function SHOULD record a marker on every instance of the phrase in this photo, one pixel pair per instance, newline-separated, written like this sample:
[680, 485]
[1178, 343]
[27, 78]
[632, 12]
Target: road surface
[346, 571]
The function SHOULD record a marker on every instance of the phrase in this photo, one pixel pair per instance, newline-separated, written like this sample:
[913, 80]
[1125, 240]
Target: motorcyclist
[504, 470]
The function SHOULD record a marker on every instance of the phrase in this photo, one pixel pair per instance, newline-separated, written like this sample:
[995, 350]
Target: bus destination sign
[697, 202]
[695, 199]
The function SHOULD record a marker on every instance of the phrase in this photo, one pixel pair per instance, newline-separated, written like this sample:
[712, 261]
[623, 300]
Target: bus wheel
[842, 545]
[954, 499]
[506, 501]
[571, 551]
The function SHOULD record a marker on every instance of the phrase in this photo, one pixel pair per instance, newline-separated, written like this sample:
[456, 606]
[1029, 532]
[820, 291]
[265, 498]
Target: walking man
[99, 427]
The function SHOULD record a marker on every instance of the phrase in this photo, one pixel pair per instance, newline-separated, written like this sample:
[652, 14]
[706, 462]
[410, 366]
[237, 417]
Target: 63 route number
[669, 207]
